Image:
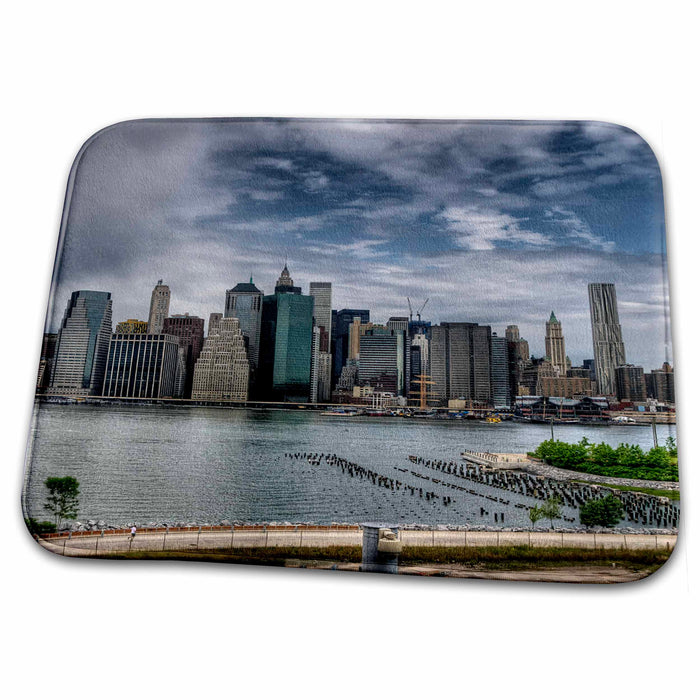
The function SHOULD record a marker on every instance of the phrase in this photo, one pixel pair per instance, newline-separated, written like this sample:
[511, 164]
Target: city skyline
[494, 230]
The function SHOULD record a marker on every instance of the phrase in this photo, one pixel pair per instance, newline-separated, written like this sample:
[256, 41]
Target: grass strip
[672, 495]
[504, 558]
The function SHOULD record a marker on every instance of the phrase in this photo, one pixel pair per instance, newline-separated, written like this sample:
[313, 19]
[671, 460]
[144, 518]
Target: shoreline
[273, 526]
[441, 413]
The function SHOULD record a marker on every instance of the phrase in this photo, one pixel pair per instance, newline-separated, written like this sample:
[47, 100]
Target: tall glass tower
[82, 344]
[321, 292]
[244, 302]
[608, 348]
[286, 334]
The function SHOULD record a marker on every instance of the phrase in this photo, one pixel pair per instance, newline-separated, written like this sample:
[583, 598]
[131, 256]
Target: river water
[150, 464]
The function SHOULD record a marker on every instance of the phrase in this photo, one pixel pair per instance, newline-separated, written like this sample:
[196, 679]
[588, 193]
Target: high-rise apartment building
[82, 344]
[160, 308]
[630, 383]
[141, 365]
[222, 370]
[244, 302]
[190, 332]
[554, 345]
[608, 348]
[660, 384]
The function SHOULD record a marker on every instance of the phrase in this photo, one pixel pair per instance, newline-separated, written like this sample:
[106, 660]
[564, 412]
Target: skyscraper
[286, 331]
[46, 360]
[214, 321]
[190, 332]
[141, 365]
[608, 348]
[315, 342]
[420, 360]
[340, 340]
[222, 370]
[554, 345]
[500, 386]
[285, 283]
[82, 344]
[460, 362]
[661, 385]
[381, 360]
[512, 333]
[322, 296]
[244, 302]
[355, 331]
[630, 383]
[400, 324]
[160, 307]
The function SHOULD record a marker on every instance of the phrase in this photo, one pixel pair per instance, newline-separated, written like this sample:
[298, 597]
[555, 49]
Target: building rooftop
[245, 287]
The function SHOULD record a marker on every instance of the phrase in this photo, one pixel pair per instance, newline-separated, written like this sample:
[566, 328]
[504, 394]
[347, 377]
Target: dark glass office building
[244, 302]
[284, 369]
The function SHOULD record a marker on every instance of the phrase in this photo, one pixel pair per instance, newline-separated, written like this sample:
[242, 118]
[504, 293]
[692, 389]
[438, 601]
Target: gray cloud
[495, 223]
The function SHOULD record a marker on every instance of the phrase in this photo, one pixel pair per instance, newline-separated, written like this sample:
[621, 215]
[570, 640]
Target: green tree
[629, 455]
[607, 511]
[657, 458]
[551, 509]
[62, 500]
[535, 514]
[671, 446]
[604, 455]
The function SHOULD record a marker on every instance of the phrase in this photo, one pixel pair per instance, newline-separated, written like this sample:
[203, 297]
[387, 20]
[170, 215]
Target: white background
[77, 629]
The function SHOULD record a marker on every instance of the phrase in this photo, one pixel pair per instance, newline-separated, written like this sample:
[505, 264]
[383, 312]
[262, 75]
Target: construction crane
[418, 313]
[410, 310]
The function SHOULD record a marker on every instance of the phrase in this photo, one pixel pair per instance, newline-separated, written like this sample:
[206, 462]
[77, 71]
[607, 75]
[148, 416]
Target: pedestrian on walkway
[133, 531]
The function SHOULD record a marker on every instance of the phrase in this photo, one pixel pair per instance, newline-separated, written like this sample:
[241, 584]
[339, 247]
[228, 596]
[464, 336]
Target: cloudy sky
[494, 222]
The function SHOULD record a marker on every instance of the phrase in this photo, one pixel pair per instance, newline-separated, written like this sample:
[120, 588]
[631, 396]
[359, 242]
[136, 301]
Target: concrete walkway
[96, 544]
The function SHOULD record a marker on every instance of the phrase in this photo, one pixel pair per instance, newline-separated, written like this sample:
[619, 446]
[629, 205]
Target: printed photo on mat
[415, 347]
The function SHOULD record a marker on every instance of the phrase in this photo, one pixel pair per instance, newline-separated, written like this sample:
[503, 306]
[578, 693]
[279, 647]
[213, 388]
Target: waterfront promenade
[88, 544]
